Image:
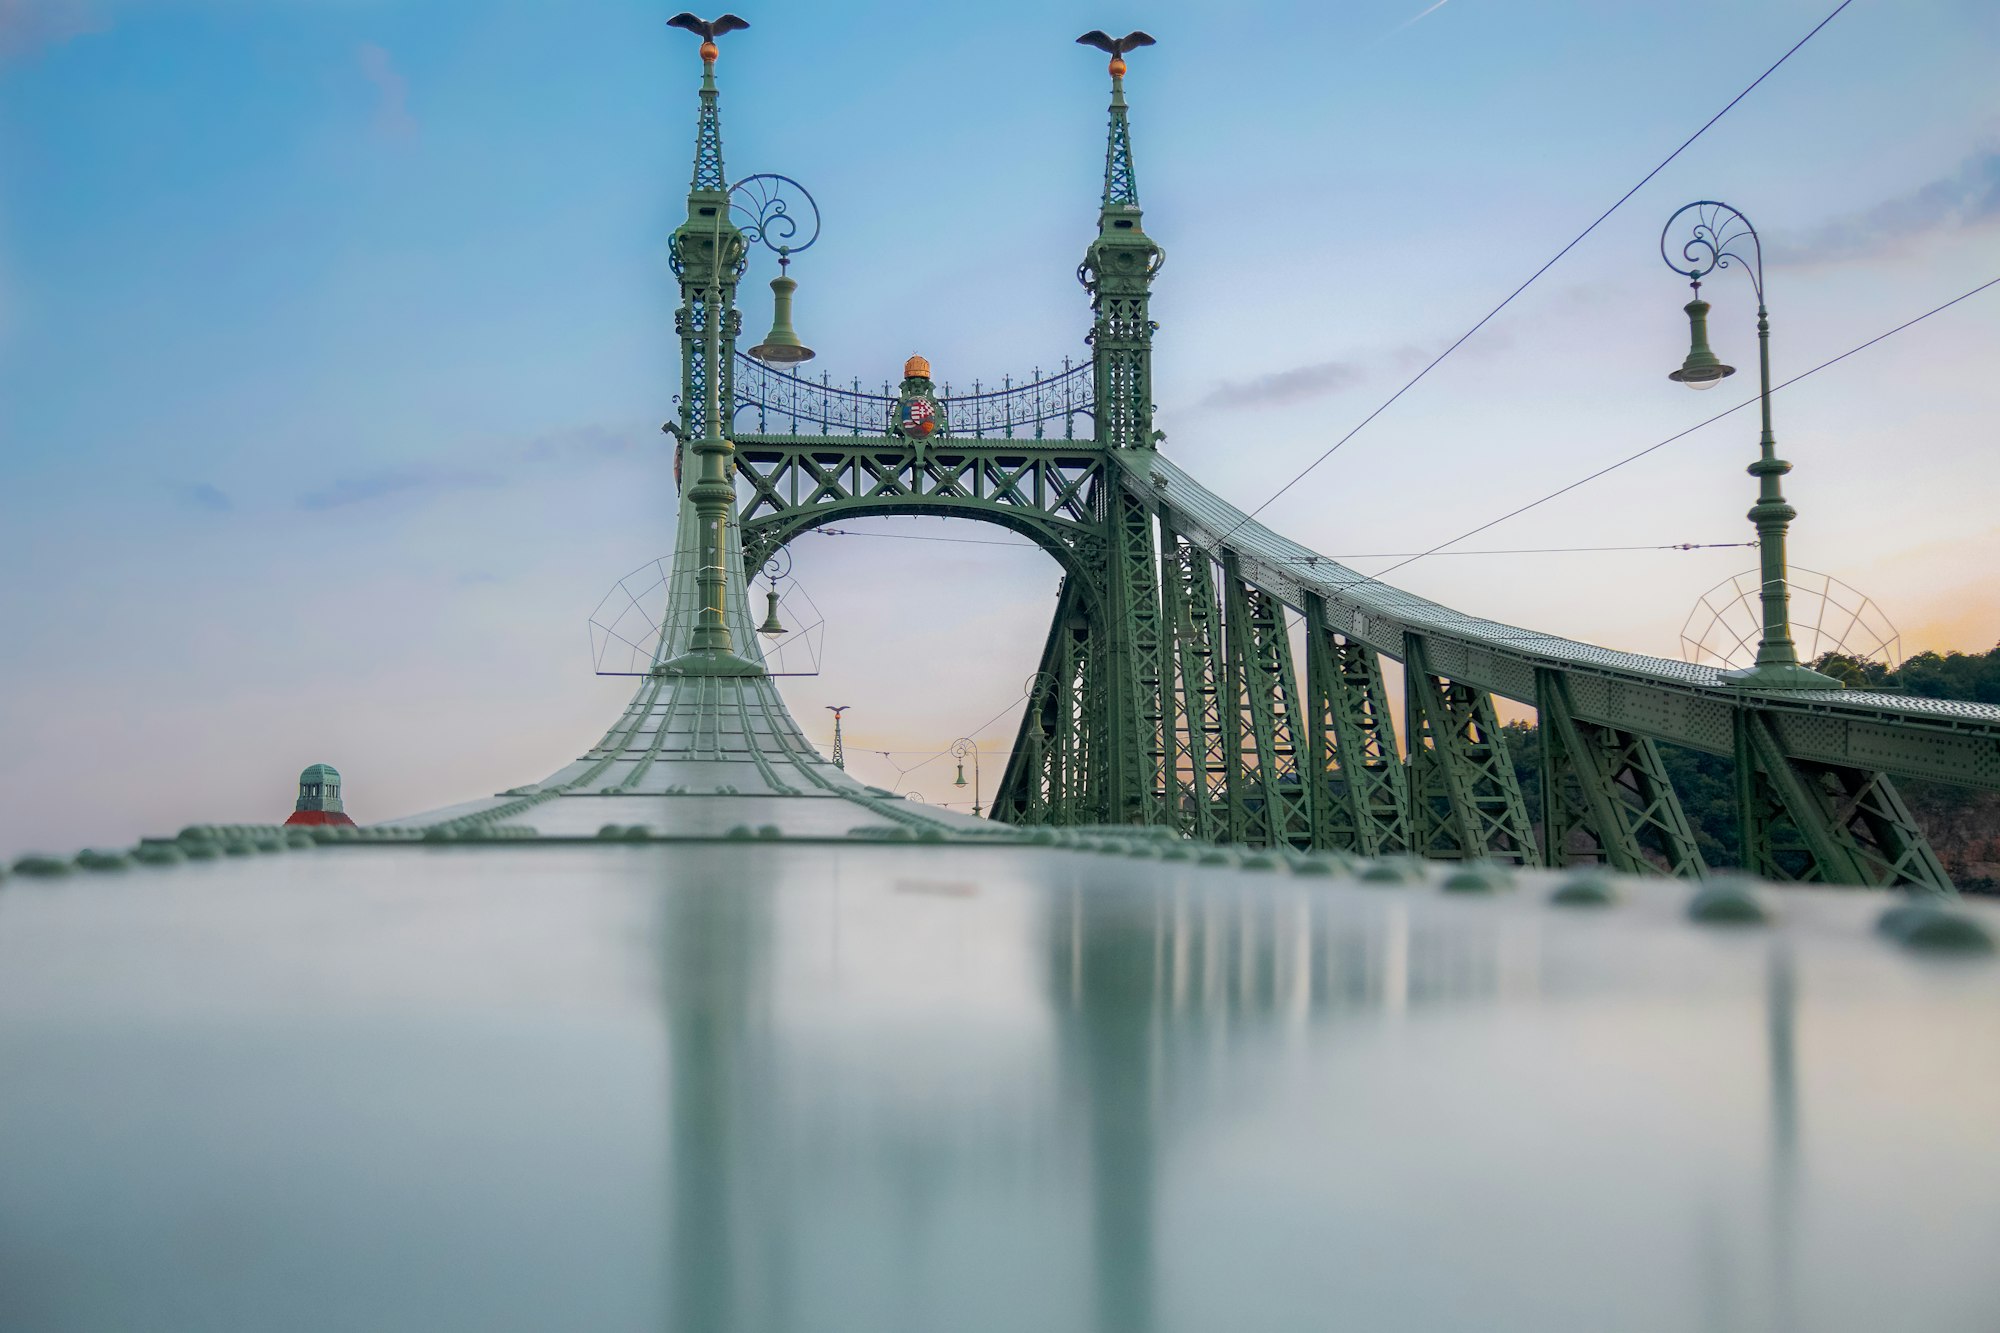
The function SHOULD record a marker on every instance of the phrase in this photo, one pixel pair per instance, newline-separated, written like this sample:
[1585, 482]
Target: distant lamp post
[960, 748]
[1716, 237]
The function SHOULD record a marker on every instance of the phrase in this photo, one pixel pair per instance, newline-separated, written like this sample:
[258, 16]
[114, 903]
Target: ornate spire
[708, 177]
[1121, 181]
[1121, 184]
[708, 132]
[1118, 271]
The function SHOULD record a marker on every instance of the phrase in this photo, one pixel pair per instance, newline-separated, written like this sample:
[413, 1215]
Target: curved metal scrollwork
[775, 211]
[1714, 243]
[794, 405]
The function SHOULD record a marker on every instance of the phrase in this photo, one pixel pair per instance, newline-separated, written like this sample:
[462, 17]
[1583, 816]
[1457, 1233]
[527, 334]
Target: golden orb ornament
[916, 368]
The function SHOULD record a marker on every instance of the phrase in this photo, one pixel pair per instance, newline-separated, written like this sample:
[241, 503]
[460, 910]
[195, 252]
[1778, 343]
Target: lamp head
[1702, 369]
[782, 345]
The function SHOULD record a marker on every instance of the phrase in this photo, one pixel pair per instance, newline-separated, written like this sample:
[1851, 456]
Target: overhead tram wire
[1488, 316]
[1365, 555]
[1609, 468]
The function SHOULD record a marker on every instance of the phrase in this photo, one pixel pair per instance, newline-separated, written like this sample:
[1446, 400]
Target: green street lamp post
[960, 748]
[1714, 241]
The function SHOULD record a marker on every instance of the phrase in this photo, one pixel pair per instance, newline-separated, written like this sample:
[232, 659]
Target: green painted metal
[1465, 801]
[707, 254]
[1048, 491]
[1360, 803]
[1269, 803]
[1118, 272]
[1719, 233]
[1830, 823]
[1607, 789]
[1151, 706]
[1192, 698]
[1137, 749]
[319, 789]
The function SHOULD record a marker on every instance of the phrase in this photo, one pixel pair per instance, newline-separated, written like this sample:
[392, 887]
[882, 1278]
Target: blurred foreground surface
[797, 1087]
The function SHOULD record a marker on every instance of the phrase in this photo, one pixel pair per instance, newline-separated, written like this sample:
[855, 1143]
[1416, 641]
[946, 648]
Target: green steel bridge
[1172, 690]
[702, 1033]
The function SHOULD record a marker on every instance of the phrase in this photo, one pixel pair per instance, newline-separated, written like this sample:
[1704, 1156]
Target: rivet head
[1727, 903]
[1475, 879]
[1392, 870]
[1585, 889]
[1933, 929]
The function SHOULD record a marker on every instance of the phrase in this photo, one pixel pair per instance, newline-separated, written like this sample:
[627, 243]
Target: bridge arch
[1050, 492]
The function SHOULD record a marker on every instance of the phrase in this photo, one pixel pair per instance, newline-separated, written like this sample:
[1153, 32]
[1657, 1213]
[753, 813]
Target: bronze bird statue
[1117, 46]
[708, 29]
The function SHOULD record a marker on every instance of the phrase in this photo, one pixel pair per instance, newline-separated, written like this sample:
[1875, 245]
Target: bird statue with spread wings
[708, 29]
[1116, 46]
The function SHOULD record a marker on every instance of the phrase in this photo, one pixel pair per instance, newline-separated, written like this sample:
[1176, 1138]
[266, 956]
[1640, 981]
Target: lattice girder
[1137, 752]
[1269, 803]
[1829, 823]
[1192, 696]
[1359, 801]
[1608, 788]
[1465, 802]
[1056, 774]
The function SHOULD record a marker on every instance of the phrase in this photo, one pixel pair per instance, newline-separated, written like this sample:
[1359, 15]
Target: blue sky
[335, 335]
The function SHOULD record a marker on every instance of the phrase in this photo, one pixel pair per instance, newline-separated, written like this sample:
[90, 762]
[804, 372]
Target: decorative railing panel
[1054, 406]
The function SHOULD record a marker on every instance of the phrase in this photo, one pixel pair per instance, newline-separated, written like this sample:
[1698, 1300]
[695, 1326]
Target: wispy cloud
[403, 482]
[392, 92]
[1285, 386]
[201, 495]
[1968, 198]
[29, 26]
[1418, 18]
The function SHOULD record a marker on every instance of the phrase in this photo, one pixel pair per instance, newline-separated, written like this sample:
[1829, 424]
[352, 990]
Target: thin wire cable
[1633, 458]
[1368, 555]
[902, 772]
[1484, 319]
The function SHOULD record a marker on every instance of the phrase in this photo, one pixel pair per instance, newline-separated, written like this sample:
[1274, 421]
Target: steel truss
[1168, 692]
[1360, 801]
[1809, 821]
[1465, 802]
[1605, 794]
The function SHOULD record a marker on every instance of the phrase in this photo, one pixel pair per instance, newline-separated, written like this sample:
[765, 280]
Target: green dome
[320, 773]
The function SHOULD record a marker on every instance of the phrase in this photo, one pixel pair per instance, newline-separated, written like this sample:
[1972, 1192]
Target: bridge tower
[1118, 271]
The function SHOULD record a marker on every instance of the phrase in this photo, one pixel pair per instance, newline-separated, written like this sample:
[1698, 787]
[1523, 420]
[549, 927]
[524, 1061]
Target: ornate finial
[1117, 46]
[708, 30]
[916, 368]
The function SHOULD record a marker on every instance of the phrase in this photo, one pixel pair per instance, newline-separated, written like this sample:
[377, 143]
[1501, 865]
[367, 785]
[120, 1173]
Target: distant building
[319, 797]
